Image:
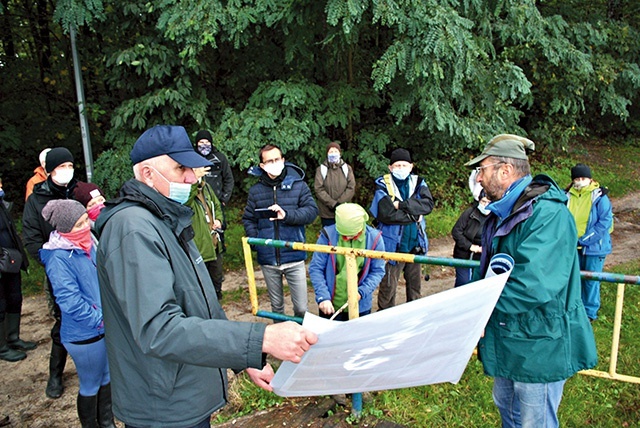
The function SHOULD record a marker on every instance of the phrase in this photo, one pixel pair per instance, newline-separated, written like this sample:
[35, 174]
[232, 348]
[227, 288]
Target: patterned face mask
[204, 149]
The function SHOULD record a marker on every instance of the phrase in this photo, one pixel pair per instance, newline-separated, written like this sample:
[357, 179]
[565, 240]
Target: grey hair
[521, 166]
[137, 168]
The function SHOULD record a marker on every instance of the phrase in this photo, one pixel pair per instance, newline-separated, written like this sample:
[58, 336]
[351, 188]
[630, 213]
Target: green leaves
[78, 13]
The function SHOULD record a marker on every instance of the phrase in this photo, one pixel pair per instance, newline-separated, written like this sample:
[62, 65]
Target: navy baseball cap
[169, 140]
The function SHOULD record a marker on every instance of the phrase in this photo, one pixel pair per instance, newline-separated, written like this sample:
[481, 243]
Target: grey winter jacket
[168, 341]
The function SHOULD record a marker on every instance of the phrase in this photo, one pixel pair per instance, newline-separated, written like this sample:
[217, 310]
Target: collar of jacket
[49, 188]
[174, 214]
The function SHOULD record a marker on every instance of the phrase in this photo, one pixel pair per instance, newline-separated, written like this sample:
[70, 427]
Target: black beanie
[579, 171]
[400, 155]
[56, 157]
[204, 135]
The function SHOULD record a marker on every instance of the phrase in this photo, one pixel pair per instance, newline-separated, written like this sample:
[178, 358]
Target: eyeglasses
[268, 161]
[479, 169]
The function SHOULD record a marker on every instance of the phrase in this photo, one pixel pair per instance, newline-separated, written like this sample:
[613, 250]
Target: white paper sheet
[423, 342]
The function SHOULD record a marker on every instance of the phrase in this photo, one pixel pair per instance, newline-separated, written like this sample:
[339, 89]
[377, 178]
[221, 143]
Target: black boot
[13, 334]
[105, 412]
[57, 360]
[7, 353]
[88, 411]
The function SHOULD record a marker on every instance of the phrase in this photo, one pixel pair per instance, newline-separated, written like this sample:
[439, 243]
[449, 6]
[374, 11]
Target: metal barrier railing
[352, 287]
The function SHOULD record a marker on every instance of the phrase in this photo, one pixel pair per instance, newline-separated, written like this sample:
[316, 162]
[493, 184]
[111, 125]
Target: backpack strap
[368, 260]
[324, 169]
[389, 183]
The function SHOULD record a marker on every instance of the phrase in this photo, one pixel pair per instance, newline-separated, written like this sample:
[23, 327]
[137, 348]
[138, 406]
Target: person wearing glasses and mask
[538, 334]
[400, 203]
[279, 206]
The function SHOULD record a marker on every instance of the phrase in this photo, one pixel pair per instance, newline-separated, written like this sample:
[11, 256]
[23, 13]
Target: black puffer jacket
[35, 230]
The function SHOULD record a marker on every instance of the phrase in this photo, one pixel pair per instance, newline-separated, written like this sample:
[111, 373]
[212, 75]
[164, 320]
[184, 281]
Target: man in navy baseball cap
[163, 159]
[169, 140]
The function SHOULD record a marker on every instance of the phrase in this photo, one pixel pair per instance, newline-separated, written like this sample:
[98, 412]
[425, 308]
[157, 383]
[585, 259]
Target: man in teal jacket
[538, 334]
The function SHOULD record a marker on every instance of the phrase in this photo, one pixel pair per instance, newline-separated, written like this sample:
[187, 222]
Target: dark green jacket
[539, 331]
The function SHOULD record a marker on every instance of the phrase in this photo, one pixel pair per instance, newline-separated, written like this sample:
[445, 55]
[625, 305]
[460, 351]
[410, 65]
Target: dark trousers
[327, 221]
[10, 294]
[388, 285]
[216, 272]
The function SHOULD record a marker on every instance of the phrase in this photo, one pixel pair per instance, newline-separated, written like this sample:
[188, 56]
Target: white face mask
[274, 169]
[178, 192]
[63, 176]
[581, 183]
[401, 173]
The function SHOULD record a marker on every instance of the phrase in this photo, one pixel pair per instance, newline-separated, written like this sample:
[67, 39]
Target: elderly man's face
[172, 171]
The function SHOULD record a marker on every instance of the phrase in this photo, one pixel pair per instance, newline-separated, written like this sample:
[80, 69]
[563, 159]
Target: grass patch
[587, 400]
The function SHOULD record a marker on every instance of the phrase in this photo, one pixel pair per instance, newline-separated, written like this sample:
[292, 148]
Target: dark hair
[269, 147]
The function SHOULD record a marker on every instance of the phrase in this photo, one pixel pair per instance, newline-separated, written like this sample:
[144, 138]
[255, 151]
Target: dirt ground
[22, 386]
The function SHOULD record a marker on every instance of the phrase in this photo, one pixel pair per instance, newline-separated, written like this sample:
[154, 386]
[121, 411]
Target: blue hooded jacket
[74, 280]
[391, 221]
[322, 269]
[596, 240]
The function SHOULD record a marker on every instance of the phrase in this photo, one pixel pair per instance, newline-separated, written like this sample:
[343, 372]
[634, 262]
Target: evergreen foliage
[437, 77]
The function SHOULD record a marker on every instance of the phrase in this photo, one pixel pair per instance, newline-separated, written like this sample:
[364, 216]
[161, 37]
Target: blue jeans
[591, 288]
[527, 405]
[204, 424]
[296, 275]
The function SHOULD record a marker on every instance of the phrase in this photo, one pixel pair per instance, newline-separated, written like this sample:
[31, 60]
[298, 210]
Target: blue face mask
[401, 173]
[178, 192]
[483, 210]
[333, 158]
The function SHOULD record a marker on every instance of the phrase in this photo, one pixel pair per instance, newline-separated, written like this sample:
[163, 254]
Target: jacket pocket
[164, 375]
[532, 328]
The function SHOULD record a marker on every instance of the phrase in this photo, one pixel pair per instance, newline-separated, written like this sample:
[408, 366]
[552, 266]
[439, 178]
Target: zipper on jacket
[276, 225]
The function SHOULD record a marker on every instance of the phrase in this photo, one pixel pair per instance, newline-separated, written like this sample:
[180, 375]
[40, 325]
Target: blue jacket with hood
[322, 269]
[391, 221]
[74, 280]
[294, 196]
[596, 240]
